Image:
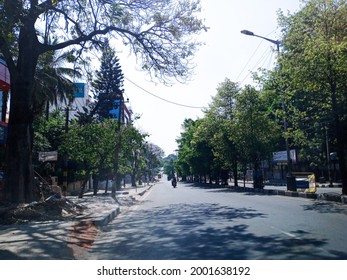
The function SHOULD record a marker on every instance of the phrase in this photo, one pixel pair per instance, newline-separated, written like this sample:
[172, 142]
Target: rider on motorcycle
[174, 182]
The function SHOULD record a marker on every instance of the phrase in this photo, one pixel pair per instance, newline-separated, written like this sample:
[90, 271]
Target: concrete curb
[319, 185]
[327, 197]
[327, 185]
[103, 221]
[146, 190]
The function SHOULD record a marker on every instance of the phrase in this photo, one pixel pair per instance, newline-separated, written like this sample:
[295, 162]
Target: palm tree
[53, 79]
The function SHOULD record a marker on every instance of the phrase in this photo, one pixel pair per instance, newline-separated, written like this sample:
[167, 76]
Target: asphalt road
[193, 222]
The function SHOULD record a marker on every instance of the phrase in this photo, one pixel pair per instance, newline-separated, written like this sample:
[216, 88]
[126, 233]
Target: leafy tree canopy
[157, 31]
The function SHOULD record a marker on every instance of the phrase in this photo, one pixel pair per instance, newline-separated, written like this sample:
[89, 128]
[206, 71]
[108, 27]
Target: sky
[226, 54]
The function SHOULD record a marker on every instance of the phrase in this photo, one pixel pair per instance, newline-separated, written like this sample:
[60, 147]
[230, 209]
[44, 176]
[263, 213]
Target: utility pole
[116, 176]
[291, 184]
[328, 157]
[66, 156]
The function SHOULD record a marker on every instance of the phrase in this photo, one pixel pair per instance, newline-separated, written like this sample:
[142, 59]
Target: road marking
[285, 232]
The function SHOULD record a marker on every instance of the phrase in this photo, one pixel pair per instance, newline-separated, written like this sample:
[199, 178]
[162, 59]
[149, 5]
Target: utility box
[305, 182]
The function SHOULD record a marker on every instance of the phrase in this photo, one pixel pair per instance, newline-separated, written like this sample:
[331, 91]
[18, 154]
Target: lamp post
[291, 185]
[68, 108]
[116, 178]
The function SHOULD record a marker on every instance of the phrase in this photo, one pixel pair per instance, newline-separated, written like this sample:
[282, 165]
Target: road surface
[193, 222]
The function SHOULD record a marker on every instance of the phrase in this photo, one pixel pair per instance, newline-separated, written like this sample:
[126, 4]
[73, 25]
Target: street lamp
[276, 42]
[291, 185]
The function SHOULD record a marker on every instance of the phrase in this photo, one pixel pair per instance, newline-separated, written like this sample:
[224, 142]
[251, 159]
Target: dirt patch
[53, 208]
[83, 234]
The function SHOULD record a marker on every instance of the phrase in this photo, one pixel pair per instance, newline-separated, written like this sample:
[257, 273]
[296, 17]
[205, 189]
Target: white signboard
[282, 156]
[48, 156]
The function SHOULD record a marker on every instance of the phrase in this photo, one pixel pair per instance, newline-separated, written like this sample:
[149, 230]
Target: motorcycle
[174, 183]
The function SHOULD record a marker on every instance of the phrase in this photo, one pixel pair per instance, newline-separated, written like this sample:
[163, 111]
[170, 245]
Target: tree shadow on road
[326, 207]
[224, 188]
[201, 232]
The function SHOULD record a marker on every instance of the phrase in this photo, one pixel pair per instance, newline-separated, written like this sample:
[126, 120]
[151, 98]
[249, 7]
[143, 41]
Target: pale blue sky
[227, 54]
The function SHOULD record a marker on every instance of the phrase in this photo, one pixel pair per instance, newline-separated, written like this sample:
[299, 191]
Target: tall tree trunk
[19, 171]
[116, 174]
[95, 184]
[235, 173]
[4, 105]
[257, 174]
[83, 187]
[339, 139]
[19, 182]
[106, 188]
[133, 178]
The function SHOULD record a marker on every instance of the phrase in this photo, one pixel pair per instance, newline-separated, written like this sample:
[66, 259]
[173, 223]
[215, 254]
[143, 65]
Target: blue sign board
[114, 112]
[79, 93]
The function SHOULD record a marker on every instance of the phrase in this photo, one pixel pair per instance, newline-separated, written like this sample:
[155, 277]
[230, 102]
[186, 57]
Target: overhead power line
[163, 99]
[265, 57]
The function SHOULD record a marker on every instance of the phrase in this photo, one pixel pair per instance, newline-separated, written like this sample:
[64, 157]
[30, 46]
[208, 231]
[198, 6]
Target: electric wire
[163, 99]
[251, 57]
[249, 60]
[262, 60]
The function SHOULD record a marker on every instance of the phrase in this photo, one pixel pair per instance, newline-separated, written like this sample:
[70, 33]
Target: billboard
[48, 156]
[281, 156]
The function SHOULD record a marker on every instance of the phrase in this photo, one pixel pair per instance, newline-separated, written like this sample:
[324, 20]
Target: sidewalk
[323, 191]
[59, 240]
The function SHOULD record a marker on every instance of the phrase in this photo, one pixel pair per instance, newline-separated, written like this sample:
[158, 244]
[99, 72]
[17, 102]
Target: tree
[314, 63]
[169, 168]
[255, 134]
[54, 80]
[188, 159]
[49, 133]
[132, 156]
[107, 87]
[143, 25]
[153, 153]
[90, 147]
[220, 118]
[108, 84]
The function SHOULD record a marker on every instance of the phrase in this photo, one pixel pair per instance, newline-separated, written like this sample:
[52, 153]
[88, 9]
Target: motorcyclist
[174, 182]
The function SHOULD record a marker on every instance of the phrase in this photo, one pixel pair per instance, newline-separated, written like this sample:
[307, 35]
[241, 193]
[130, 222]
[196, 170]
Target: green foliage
[145, 27]
[133, 153]
[90, 146]
[255, 134]
[219, 122]
[49, 133]
[237, 129]
[189, 161]
[107, 85]
[169, 167]
[54, 80]
[314, 66]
